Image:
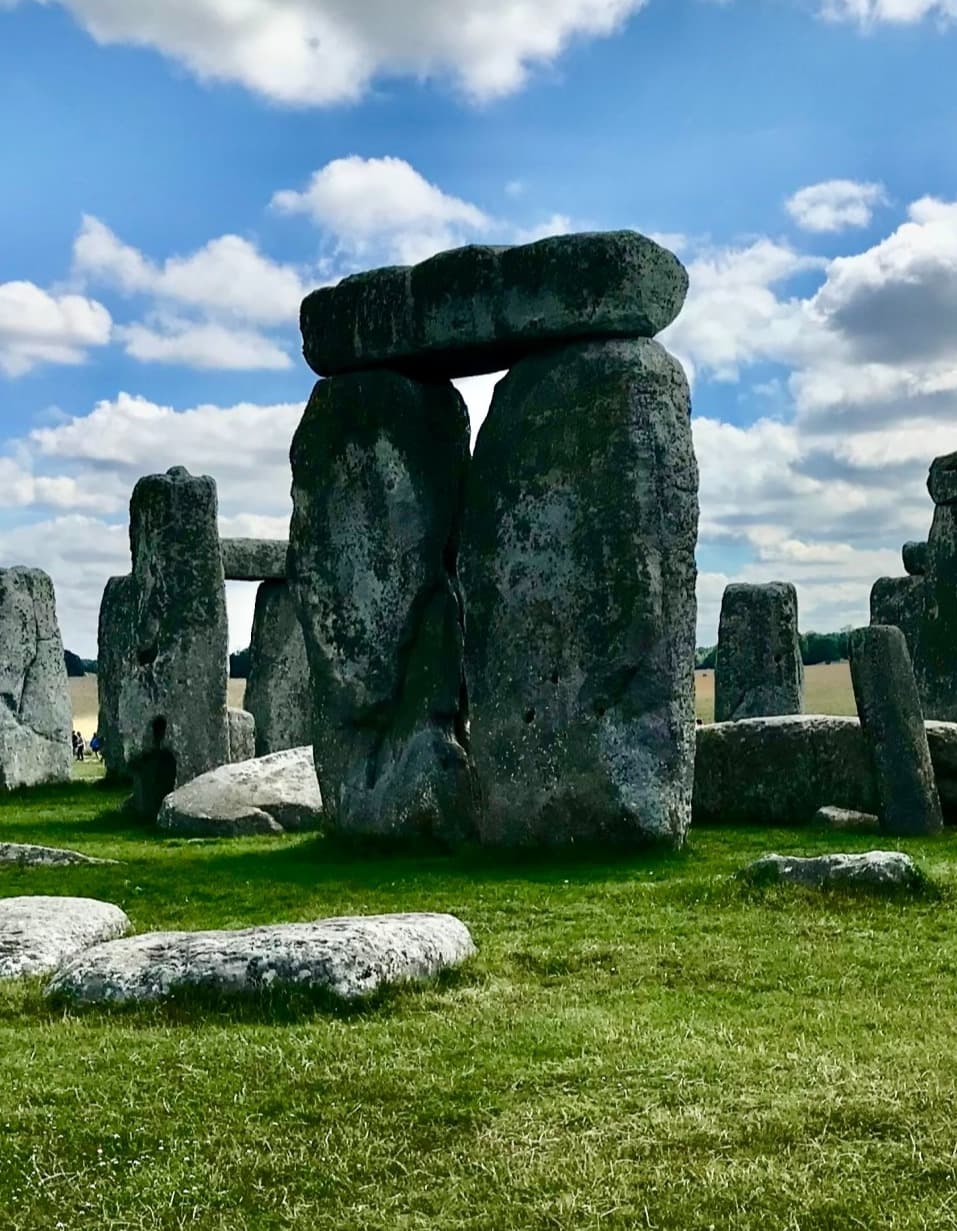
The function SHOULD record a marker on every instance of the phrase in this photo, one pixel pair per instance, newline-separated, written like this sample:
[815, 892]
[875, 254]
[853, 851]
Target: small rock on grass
[869, 870]
[847, 819]
[26, 854]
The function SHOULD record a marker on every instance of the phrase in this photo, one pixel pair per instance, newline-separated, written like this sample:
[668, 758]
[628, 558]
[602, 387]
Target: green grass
[642, 1042]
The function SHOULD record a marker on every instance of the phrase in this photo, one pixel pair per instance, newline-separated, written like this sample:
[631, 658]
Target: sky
[175, 177]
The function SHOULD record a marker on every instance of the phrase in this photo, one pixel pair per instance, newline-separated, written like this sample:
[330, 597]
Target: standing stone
[893, 726]
[899, 601]
[578, 567]
[114, 651]
[172, 700]
[378, 465]
[35, 711]
[936, 654]
[242, 734]
[279, 687]
[758, 668]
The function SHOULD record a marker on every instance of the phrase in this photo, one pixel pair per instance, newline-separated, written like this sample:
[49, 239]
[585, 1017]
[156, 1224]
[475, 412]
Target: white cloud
[835, 204]
[202, 345]
[309, 52]
[37, 327]
[893, 12]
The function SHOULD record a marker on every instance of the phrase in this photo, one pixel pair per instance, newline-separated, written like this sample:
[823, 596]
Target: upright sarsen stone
[935, 657]
[577, 563]
[35, 709]
[115, 639]
[900, 601]
[279, 687]
[379, 464]
[758, 668]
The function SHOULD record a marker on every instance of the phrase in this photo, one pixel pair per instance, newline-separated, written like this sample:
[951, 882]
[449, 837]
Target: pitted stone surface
[942, 480]
[38, 933]
[268, 795]
[35, 711]
[914, 556]
[379, 463]
[254, 559]
[242, 734]
[935, 661]
[28, 855]
[481, 309]
[758, 669]
[348, 958]
[577, 563]
[279, 687]
[779, 771]
[115, 646]
[870, 870]
[900, 601]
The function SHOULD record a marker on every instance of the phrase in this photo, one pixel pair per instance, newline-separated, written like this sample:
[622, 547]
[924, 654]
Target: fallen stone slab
[273, 794]
[872, 869]
[480, 309]
[847, 819]
[347, 957]
[37, 934]
[254, 559]
[26, 854]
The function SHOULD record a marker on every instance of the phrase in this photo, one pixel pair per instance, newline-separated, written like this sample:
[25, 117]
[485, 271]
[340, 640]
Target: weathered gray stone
[577, 562]
[254, 559]
[27, 855]
[942, 480]
[914, 556]
[378, 466]
[758, 668]
[348, 958]
[172, 702]
[893, 726]
[35, 710]
[279, 687]
[481, 309]
[38, 933]
[242, 734]
[870, 870]
[115, 649]
[846, 819]
[935, 655]
[900, 601]
[779, 771]
[271, 794]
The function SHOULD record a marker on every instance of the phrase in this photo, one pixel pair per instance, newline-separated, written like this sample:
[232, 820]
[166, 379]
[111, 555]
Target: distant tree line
[239, 665]
[815, 648]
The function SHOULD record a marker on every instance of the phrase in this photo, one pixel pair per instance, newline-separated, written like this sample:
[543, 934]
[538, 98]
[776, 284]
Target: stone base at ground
[870, 870]
[38, 934]
[779, 771]
[347, 958]
[270, 795]
[27, 855]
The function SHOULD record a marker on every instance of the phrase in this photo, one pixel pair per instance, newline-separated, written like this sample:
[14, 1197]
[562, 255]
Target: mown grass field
[827, 690]
[640, 1043]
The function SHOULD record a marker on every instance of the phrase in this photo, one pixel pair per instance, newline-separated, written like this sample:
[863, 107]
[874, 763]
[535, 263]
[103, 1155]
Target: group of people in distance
[79, 746]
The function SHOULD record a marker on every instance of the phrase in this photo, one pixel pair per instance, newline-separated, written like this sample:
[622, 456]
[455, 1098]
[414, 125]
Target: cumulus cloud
[202, 345]
[835, 205]
[38, 327]
[892, 12]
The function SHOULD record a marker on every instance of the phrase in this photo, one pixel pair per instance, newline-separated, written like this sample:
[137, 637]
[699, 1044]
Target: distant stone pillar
[893, 724]
[936, 654]
[242, 734]
[113, 661]
[378, 465]
[899, 601]
[758, 668]
[279, 686]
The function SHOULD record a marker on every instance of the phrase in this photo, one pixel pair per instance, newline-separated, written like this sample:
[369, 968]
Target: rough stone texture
[348, 958]
[38, 933]
[846, 819]
[914, 556]
[870, 870]
[268, 795]
[378, 465]
[758, 669]
[254, 559]
[577, 563]
[942, 479]
[36, 715]
[935, 655]
[279, 687]
[242, 734]
[27, 855]
[900, 601]
[172, 701]
[481, 309]
[779, 771]
[115, 647]
[893, 726]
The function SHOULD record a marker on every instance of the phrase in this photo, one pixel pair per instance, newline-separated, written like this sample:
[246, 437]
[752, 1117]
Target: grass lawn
[640, 1043]
[827, 690]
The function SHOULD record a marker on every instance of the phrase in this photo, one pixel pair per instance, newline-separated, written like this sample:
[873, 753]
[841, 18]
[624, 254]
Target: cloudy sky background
[174, 180]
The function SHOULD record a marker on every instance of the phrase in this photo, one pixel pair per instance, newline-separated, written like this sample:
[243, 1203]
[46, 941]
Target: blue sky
[177, 176]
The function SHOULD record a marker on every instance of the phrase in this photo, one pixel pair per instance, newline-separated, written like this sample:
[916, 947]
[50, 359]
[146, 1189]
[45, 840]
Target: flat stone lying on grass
[49, 856]
[38, 934]
[872, 869]
[846, 819]
[269, 795]
[348, 958]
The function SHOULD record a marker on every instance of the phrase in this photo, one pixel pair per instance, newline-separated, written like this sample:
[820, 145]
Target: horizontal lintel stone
[254, 559]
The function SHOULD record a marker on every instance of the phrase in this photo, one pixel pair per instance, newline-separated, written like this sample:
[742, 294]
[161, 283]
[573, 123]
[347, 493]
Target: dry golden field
[827, 690]
[83, 693]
